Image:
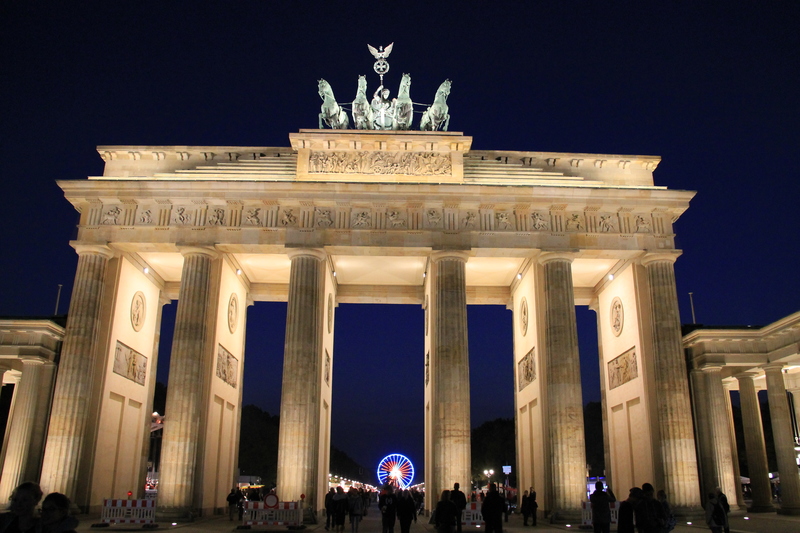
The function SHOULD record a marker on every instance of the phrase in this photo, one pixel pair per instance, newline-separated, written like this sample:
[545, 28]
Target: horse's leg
[446, 122]
[320, 121]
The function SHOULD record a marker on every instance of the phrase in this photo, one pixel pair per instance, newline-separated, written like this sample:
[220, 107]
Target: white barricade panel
[471, 516]
[586, 513]
[281, 514]
[128, 511]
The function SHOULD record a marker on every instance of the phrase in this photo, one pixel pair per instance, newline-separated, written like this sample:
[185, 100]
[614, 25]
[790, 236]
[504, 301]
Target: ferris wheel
[397, 470]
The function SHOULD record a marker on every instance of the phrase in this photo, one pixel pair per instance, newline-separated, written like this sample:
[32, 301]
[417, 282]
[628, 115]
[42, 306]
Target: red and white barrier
[587, 512]
[128, 512]
[471, 516]
[280, 514]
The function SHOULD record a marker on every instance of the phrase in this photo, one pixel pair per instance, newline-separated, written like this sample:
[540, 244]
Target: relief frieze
[526, 369]
[130, 364]
[622, 369]
[406, 163]
[227, 366]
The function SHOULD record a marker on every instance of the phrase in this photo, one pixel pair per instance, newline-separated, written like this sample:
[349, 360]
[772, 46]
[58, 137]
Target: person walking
[445, 514]
[458, 498]
[387, 502]
[723, 501]
[525, 508]
[648, 512]
[406, 511]
[716, 519]
[534, 506]
[601, 501]
[492, 510]
[626, 511]
[329, 508]
[233, 502]
[339, 509]
[355, 508]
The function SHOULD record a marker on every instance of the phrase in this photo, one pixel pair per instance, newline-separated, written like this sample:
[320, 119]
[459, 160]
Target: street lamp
[488, 473]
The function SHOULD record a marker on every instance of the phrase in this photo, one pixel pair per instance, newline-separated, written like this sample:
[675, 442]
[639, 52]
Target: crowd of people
[22, 517]
[236, 498]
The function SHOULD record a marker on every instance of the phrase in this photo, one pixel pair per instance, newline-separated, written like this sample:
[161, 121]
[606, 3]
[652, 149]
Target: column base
[793, 511]
[761, 509]
[568, 516]
[175, 514]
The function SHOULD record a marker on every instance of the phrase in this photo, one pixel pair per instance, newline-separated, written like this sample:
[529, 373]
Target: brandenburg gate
[402, 217]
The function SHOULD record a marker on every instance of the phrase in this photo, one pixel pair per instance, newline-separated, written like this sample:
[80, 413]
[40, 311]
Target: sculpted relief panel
[130, 364]
[526, 369]
[622, 369]
[227, 366]
[406, 163]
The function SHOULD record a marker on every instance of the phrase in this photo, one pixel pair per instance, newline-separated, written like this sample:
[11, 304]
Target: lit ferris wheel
[397, 470]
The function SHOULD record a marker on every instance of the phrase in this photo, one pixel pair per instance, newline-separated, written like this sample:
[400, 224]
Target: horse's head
[405, 81]
[362, 83]
[444, 88]
[324, 88]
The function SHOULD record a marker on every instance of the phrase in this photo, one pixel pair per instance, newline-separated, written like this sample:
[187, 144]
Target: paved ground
[755, 523]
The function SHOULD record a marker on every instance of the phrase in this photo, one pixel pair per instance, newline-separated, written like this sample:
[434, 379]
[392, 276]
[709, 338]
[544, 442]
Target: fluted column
[69, 414]
[564, 394]
[737, 474]
[451, 425]
[673, 407]
[784, 440]
[26, 412]
[185, 386]
[704, 427]
[721, 435]
[298, 437]
[755, 448]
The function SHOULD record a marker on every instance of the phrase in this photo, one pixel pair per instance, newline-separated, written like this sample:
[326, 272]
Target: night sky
[711, 87]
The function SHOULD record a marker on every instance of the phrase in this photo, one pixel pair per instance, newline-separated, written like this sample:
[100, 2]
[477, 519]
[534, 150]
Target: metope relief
[324, 218]
[396, 219]
[216, 217]
[182, 217]
[526, 369]
[130, 364]
[538, 222]
[253, 217]
[406, 163]
[227, 366]
[617, 316]
[503, 220]
[622, 369]
[361, 219]
[138, 306]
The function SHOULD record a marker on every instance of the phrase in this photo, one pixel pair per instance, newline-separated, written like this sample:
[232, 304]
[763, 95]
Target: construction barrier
[128, 512]
[471, 516]
[587, 512]
[279, 514]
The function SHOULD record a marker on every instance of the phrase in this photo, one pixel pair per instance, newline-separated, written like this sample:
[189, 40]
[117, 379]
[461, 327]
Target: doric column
[784, 440]
[298, 437]
[26, 412]
[564, 394]
[720, 432]
[754, 445]
[69, 414]
[185, 385]
[451, 424]
[704, 428]
[673, 407]
[737, 474]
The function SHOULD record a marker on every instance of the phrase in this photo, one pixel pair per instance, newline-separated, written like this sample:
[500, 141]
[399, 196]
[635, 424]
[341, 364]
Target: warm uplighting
[334, 273]
[146, 270]
[238, 271]
[519, 276]
[611, 277]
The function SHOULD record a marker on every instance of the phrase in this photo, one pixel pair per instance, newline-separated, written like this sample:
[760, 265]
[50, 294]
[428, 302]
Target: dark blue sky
[712, 87]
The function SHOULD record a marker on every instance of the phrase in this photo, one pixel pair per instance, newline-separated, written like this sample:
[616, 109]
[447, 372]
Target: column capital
[711, 367]
[654, 257]
[316, 253]
[201, 250]
[450, 255]
[92, 248]
[547, 257]
[771, 367]
[750, 374]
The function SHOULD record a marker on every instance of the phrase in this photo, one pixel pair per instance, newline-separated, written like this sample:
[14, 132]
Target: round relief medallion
[233, 312]
[617, 316]
[330, 313]
[523, 316]
[138, 306]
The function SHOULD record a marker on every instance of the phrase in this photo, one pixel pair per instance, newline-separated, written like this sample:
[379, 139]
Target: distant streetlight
[488, 473]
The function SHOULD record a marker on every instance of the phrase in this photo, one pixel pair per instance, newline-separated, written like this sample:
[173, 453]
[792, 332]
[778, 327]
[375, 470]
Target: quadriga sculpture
[362, 110]
[332, 114]
[436, 116]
